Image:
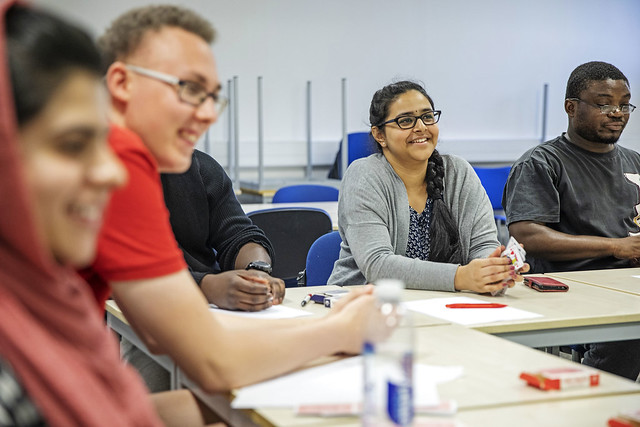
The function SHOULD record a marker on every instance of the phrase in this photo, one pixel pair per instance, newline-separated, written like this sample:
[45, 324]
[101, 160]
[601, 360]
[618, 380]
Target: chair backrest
[322, 255]
[359, 144]
[305, 193]
[291, 231]
[493, 180]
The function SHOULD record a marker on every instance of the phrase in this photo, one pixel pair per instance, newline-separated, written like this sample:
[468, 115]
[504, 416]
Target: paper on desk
[337, 382]
[467, 316]
[273, 312]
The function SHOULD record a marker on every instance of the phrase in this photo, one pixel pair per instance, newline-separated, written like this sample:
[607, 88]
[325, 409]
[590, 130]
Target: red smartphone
[545, 284]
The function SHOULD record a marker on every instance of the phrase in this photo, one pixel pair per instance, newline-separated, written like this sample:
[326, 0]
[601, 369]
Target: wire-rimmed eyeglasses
[608, 109]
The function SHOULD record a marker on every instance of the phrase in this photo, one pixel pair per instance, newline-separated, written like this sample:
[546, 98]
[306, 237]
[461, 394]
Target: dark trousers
[617, 357]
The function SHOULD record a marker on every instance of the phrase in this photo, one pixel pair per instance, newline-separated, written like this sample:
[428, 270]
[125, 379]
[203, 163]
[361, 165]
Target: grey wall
[484, 63]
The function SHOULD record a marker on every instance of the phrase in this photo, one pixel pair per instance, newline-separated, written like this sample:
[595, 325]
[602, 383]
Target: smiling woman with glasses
[412, 214]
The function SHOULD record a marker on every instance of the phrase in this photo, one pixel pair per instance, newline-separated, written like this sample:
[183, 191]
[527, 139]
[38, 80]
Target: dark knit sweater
[207, 219]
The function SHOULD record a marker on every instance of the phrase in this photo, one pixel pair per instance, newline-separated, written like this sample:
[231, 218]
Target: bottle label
[399, 403]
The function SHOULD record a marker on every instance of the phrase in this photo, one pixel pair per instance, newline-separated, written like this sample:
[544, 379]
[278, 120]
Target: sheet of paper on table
[436, 307]
[273, 312]
[337, 382]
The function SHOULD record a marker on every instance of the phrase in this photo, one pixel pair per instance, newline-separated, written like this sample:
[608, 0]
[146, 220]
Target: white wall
[483, 62]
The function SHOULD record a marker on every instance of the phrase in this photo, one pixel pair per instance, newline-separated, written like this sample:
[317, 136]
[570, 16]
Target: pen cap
[389, 291]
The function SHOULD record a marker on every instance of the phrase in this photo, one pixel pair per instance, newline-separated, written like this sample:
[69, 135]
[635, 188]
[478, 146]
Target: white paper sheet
[637, 277]
[467, 316]
[273, 312]
[337, 382]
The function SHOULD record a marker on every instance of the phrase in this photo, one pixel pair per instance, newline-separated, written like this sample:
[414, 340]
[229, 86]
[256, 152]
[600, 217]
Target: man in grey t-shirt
[574, 201]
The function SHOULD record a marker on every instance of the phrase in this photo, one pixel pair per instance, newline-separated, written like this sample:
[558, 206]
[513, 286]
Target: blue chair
[305, 193]
[493, 180]
[322, 255]
[291, 231]
[359, 144]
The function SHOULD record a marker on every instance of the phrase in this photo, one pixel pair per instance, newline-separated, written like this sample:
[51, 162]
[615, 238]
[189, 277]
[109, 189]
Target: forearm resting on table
[543, 242]
[172, 317]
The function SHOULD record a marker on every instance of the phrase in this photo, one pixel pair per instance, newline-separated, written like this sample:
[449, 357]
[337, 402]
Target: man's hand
[246, 290]
[627, 248]
[275, 285]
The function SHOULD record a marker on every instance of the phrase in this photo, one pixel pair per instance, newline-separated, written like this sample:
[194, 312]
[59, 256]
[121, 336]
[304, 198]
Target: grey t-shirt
[576, 192]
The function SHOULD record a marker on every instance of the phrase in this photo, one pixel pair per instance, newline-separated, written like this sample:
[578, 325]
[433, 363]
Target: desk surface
[490, 385]
[619, 279]
[583, 412]
[330, 207]
[586, 412]
[584, 314]
[490, 388]
[293, 297]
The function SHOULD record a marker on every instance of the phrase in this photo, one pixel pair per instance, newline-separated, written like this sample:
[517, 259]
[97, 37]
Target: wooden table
[619, 279]
[584, 314]
[490, 385]
[490, 392]
[585, 412]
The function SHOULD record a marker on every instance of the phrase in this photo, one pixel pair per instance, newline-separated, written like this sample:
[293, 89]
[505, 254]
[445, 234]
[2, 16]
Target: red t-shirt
[136, 240]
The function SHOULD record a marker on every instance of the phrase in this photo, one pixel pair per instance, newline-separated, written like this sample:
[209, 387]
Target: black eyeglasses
[608, 109]
[189, 92]
[408, 122]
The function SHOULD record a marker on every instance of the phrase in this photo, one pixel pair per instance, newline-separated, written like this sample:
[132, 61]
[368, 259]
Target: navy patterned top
[419, 242]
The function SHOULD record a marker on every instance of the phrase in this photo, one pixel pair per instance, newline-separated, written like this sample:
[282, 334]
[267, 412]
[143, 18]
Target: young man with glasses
[163, 87]
[573, 201]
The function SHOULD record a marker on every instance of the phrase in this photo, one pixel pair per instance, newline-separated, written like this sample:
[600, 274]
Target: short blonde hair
[124, 35]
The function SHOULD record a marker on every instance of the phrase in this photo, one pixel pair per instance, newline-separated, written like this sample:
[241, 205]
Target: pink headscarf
[51, 333]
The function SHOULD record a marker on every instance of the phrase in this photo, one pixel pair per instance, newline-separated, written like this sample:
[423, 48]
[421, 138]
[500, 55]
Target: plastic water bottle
[388, 365]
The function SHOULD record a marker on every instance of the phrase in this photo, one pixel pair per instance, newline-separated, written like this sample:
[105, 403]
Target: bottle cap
[389, 290]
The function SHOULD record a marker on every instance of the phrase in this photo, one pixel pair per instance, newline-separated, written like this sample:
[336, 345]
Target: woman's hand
[485, 275]
[524, 269]
[488, 275]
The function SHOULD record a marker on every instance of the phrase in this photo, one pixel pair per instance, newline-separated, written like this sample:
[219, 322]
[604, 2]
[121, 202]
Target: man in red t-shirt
[163, 87]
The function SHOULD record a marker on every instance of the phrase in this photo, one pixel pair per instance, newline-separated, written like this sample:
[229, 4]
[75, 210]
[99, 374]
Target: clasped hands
[489, 274]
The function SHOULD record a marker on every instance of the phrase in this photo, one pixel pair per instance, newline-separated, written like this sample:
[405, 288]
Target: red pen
[477, 305]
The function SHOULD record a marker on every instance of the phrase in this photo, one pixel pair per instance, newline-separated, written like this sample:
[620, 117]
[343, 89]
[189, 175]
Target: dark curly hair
[590, 72]
[445, 239]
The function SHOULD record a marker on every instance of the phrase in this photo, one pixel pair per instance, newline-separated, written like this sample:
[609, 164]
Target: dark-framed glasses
[190, 92]
[608, 109]
[408, 122]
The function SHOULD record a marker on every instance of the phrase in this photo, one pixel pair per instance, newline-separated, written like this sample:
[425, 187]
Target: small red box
[562, 378]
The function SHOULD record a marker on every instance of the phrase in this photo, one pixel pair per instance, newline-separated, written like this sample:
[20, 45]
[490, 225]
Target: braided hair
[444, 236]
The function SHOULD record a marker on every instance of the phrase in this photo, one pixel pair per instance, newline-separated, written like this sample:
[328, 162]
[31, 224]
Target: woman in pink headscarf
[59, 365]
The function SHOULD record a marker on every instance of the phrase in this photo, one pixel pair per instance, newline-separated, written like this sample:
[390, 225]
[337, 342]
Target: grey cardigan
[373, 218]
